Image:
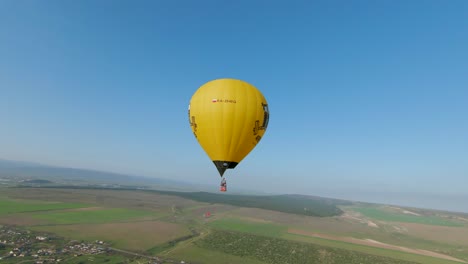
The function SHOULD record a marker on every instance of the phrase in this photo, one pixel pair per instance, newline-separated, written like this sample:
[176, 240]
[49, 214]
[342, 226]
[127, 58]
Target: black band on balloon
[223, 165]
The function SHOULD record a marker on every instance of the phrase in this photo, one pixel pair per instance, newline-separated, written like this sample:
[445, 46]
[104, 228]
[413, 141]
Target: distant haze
[446, 202]
[456, 203]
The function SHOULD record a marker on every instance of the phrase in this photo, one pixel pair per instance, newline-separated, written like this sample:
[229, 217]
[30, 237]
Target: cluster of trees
[295, 204]
[277, 250]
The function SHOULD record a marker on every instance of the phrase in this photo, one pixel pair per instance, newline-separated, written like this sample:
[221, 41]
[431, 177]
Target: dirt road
[374, 243]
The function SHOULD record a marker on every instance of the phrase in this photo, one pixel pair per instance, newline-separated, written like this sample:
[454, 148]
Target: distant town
[43, 248]
[18, 245]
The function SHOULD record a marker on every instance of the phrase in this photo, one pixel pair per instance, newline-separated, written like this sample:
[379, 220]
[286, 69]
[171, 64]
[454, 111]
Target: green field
[134, 236]
[276, 250]
[384, 215]
[167, 226]
[93, 216]
[108, 259]
[235, 224]
[96, 259]
[9, 206]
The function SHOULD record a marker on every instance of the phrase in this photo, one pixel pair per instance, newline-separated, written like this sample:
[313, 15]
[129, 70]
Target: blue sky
[365, 96]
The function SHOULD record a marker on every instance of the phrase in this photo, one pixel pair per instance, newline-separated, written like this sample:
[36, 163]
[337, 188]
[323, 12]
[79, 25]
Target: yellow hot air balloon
[228, 118]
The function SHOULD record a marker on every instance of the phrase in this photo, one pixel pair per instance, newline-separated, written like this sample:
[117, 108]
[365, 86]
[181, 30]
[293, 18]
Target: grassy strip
[294, 204]
[8, 206]
[234, 224]
[93, 216]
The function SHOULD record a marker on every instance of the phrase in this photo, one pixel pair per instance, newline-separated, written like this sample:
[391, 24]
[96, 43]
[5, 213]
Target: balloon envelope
[228, 117]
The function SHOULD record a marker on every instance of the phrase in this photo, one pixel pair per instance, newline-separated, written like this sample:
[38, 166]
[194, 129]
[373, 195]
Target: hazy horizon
[363, 95]
[445, 202]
